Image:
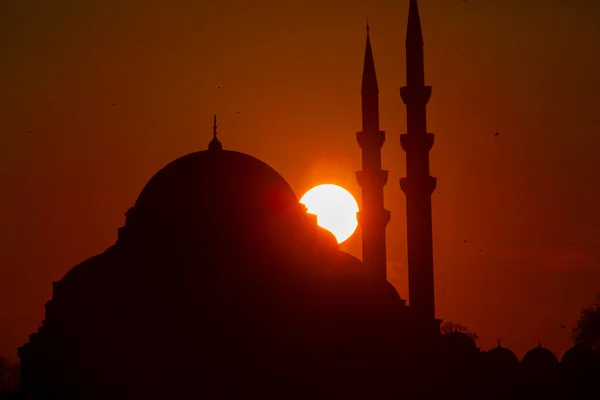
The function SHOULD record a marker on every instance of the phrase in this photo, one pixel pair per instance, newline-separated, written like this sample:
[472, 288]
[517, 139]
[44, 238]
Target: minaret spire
[414, 47]
[414, 33]
[372, 217]
[369, 90]
[214, 143]
[418, 184]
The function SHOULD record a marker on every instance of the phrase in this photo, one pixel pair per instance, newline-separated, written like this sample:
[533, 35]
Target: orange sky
[292, 69]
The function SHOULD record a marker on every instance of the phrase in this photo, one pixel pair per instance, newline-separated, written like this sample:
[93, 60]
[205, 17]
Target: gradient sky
[292, 69]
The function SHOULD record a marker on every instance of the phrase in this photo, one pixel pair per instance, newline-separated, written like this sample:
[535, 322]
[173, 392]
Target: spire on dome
[499, 343]
[539, 344]
[214, 143]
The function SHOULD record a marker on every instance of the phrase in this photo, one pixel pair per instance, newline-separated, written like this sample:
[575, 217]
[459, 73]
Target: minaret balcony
[371, 179]
[368, 139]
[378, 219]
[424, 185]
[417, 142]
[415, 95]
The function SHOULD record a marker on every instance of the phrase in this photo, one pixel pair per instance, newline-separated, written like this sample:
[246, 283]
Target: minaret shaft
[373, 217]
[418, 185]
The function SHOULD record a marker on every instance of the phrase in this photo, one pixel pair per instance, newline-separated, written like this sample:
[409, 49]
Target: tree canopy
[587, 331]
[449, 327]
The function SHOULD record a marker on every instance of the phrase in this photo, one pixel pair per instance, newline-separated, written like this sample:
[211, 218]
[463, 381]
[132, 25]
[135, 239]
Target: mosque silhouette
[204, 295]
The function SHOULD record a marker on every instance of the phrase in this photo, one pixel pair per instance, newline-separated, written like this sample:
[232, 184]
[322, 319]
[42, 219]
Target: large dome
[215, 184]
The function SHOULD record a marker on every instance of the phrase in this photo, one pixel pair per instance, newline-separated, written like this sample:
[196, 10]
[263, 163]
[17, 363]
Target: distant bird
[466, 241]
[114, 104]
[496, 134]
[480, 250]
[237, 112]
[30, 132]
[218, 87]
[439, 193]
[563, 326]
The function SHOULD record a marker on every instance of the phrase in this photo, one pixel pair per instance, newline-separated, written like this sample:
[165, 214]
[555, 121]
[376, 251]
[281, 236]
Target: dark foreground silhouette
[221, 286]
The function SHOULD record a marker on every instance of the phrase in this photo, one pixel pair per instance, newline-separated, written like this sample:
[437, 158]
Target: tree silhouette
[449, 327]
[9, 376]
[4, 371]
[587, 331]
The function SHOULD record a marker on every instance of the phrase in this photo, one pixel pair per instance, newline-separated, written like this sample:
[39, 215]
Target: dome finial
[539, 344]
[214, 143]
[367, 26]
[499, 343]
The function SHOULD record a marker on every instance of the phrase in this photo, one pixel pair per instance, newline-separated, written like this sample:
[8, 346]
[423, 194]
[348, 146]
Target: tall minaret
[418, 185]
[372, 218]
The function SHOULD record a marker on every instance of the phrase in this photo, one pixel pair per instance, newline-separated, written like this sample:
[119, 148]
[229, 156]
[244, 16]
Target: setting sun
[335, 209]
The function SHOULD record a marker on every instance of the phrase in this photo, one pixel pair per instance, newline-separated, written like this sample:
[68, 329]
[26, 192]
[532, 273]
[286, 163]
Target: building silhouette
[206, 295]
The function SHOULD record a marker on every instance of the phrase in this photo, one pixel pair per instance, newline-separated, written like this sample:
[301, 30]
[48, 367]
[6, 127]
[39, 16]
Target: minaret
[418, 185]
[372, 218]
[214, 143]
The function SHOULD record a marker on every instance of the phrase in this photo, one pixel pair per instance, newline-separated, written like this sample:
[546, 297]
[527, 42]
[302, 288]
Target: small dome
[539, 357]
[578, 356]
[216, 185]
[501, 357]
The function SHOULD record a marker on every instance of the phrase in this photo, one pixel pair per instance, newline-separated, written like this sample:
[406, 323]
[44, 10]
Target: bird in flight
[466, 241]
[496, 134]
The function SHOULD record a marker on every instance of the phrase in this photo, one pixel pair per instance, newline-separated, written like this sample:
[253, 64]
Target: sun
[335, 209]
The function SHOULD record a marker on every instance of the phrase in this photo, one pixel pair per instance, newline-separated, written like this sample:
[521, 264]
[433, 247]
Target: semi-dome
[217, 184]
[539, 357]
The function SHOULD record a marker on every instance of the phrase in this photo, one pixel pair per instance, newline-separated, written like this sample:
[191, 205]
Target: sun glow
[335, 209]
